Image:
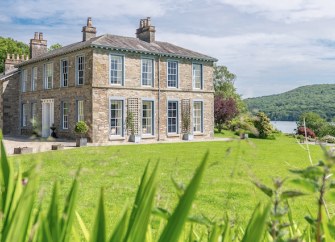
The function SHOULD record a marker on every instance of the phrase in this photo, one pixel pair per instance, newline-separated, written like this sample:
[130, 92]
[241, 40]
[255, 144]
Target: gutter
[153, 53]
[159, 98]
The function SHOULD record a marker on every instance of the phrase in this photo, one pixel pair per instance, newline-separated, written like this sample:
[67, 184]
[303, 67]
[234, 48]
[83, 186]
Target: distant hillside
[290, 105]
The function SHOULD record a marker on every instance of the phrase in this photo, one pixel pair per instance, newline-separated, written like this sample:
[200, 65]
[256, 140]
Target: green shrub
[300, 137]
[271, 137]
[81, 127]
[262, 123]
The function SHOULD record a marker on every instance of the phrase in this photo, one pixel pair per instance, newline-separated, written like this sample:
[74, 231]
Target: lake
[285, 126]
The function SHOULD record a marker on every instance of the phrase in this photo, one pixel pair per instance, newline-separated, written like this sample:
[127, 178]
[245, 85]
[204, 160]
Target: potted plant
[186, 125]
[81, 128]
[130, 126]
[53, 128]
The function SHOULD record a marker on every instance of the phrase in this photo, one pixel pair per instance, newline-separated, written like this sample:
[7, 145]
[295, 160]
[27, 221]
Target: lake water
[285, 126]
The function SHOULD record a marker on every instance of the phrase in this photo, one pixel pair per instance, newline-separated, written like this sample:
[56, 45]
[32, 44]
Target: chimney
[38, 46]
[146, 32]
[89, 32]
[11, 62]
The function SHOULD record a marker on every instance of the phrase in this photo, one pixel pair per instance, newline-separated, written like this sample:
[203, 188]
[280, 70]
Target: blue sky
[272, 46]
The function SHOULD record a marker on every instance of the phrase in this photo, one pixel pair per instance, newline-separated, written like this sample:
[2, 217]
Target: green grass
[226, 134]
[226, 186]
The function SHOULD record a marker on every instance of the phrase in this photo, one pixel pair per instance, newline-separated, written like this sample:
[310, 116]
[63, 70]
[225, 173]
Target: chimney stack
[146, 32]
[11, 62]
[89, 32]
[38, 46]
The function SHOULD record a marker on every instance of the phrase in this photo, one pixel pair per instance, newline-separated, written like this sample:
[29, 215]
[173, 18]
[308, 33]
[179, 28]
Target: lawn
[226, 186]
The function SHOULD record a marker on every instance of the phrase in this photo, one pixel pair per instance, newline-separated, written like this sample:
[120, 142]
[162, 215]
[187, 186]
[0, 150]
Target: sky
[271, 46]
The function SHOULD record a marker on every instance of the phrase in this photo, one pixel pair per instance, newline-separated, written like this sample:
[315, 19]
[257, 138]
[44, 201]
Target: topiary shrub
[262, 123]
[81, 127]
[310, 133]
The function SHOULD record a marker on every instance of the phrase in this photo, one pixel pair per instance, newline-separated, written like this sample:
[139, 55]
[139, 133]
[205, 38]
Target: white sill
[198, 134]
[116, 138]
[173, 135]
[148, 136]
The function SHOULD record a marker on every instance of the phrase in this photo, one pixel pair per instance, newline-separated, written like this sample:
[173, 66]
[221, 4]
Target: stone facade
[97, 92]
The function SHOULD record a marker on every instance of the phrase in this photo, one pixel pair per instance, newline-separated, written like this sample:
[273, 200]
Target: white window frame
[201, 76]
[62, 72]
[145, 58]
[24, 114]
[167, 73]
[201, 101]
[78, 69]
[65, 120]
[45, 80]
[122, 99]
[123, 69]
[34, 73]
[167, 116]
[33, 114]
[24, 80]
[153, 105]
[80, 109]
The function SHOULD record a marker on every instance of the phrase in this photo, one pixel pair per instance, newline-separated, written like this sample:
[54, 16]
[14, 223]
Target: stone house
[103, 81]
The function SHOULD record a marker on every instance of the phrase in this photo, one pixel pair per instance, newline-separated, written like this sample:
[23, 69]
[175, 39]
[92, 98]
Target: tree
[11, 46]
[224, 110]
[262, 123]
[314, 122]
[224, 84]
[54, 47]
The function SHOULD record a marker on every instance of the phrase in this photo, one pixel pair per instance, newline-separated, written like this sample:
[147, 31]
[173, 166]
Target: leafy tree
[314, 122]
[224, 84]
[262, 123]
[9, 45]
[224, 110]
[289, 106]
[54, 47]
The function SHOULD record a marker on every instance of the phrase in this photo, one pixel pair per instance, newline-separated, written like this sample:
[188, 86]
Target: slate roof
[124, 43]
[8, 74]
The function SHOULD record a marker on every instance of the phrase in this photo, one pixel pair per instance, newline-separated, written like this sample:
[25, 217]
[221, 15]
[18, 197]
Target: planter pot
[81, 142]
[188, 137]
[135, 138]
[244, 136]
[57, 147]
[22, 151]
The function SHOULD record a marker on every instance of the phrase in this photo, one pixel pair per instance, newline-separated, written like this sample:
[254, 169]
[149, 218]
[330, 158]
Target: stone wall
[66, 93]
[133, 71]
[57, 93]
[10, 96]
[102, 91]
[101, 112]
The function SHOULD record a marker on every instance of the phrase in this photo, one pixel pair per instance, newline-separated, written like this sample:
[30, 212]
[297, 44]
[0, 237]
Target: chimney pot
[13, 56]
[89, 22]
[27, 58]
[41, 36]
[8, 56]
[36, 35]
[22, 57]
[148, 21]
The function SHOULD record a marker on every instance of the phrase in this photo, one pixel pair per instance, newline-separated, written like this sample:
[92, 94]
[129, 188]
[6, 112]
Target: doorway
[47, 116]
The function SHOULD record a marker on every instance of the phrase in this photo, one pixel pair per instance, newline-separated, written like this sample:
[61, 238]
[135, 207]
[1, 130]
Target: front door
[47, 116]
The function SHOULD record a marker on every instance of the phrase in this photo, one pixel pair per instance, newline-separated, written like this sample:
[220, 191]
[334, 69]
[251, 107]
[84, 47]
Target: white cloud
[286, 10]
[272, 46]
